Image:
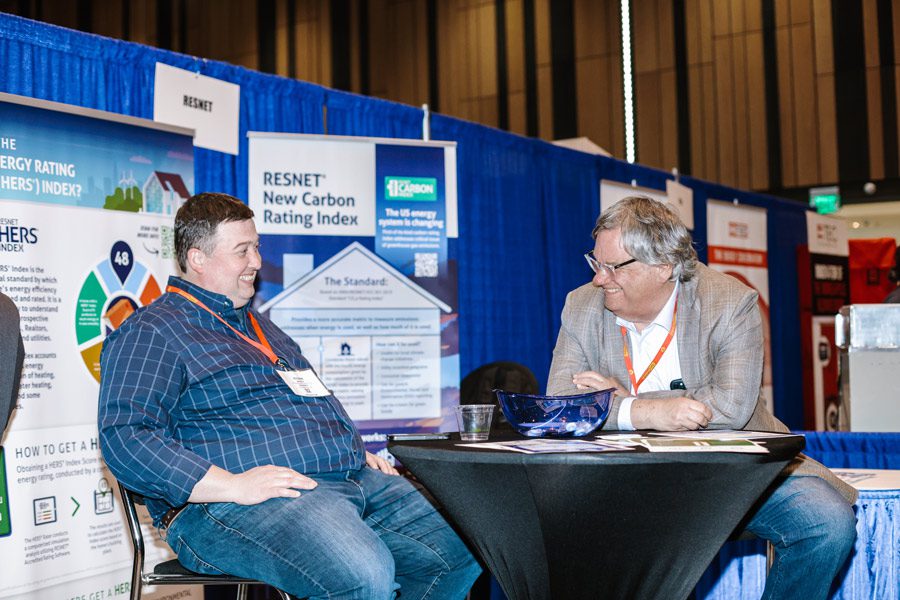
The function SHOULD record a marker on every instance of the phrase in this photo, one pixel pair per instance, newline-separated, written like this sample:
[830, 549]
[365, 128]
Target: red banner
[724, 255]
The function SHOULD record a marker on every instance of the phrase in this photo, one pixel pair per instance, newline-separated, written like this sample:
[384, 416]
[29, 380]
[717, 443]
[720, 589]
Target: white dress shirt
[644, 346]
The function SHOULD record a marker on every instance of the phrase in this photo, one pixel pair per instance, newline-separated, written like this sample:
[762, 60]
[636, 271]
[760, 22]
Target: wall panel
[106, 18]
[739, 74]
[656, 118]
[143, 26]
[598, 73]
[726, 68]
[281, 38]
[648, 119]
[825, 100]
[544, 68]
[756, 111]
[725, 113]
[399, 70]
[727, 109]
[828, 157]
[875, 124]
[806, 135]
[593, 120]
[786, 103]
[711, 134]
[467, 59]
[896, 69]
[515, 66]
[697, 114]
[876, 133]
[312, 40]
[668, 133]
[800, 11]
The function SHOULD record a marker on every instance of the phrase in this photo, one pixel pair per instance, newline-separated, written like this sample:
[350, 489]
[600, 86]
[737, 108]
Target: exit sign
[825, 200]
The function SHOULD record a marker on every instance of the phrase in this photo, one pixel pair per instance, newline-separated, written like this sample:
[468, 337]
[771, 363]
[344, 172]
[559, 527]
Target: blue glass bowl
[558, 416]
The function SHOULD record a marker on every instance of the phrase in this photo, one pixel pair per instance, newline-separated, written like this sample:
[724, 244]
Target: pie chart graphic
[111, 292]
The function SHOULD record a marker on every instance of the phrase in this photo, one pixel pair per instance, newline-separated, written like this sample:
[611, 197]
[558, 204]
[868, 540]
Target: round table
[628, 524]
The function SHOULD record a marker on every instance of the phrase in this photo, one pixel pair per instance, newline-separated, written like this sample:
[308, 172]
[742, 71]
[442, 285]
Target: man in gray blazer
[12, 353]
[683, 346]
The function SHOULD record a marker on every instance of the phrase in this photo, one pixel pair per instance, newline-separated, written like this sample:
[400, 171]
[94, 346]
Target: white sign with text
[207, 105]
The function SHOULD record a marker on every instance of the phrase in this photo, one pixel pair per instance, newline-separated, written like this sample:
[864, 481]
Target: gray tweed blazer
[12, 353]
[720, 347]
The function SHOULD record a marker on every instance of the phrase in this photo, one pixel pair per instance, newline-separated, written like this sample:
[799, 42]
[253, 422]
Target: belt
[170, 515]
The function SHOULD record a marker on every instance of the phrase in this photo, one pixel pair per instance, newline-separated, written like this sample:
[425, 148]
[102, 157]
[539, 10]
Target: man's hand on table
[670, 414]
[591, 380]
[378, 463]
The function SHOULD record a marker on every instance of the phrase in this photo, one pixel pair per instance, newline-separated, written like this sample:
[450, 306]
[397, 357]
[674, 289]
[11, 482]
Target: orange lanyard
[263, 347]
[636, 383]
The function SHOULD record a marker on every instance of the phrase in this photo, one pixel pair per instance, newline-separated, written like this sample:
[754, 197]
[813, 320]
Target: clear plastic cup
[474, 421]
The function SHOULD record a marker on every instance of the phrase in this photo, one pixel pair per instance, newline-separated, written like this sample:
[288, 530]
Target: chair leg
[242, 591]
[136, 585]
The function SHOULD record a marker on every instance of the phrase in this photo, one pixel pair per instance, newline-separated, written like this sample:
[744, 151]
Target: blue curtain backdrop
[526, 208]
[352, 114]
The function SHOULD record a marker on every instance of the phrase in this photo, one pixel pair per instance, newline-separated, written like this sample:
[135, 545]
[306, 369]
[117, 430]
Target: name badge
[304, 383]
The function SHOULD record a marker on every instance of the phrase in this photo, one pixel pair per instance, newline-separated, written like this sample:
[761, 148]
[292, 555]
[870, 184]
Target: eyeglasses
[608, 270]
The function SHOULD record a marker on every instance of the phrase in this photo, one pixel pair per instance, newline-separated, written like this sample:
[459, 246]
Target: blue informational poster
[356, 238]
[411, 230]
[87, 202]
[73, 159]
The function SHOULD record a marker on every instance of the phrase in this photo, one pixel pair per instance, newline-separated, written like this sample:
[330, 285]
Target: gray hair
[652, 233]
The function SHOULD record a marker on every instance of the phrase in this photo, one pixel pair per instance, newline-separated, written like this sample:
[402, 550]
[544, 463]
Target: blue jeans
[359, 535]
[812, 529]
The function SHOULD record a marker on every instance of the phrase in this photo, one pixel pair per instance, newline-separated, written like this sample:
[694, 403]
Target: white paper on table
[870, 479]
[721, 434]
[625, 439]
[543, 446]
[674, 444]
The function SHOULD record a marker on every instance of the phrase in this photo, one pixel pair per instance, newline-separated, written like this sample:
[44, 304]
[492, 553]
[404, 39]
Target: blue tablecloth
[873, 571]
[848, 449]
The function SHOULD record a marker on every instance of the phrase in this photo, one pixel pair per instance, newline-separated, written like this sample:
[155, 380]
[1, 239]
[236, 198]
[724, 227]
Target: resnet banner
[87, 201]
[737, 242]
[356, 238]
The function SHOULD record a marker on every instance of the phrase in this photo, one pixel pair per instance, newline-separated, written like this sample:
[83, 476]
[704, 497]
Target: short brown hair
[197, 220]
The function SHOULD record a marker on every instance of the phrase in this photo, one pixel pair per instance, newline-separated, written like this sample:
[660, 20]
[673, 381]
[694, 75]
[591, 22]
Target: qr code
[426, 264]
[167, 241]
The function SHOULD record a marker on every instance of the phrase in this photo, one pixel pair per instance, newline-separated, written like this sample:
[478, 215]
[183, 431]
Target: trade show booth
[481, 276]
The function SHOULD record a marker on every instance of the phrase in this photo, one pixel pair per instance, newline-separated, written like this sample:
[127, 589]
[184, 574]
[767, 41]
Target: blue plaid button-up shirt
[180, 392]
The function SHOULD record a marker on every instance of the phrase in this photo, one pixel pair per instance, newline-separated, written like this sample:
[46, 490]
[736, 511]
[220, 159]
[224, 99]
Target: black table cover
[627, 525]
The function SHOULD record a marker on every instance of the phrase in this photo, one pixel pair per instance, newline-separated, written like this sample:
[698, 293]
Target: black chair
[477, 386]
[170, 572]
[12, 354]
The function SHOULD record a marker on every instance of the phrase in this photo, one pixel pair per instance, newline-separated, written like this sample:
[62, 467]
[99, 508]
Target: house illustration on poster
[164, 193]
[357, 300]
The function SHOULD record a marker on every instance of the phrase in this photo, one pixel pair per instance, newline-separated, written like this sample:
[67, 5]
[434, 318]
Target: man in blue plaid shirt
[249, 465]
